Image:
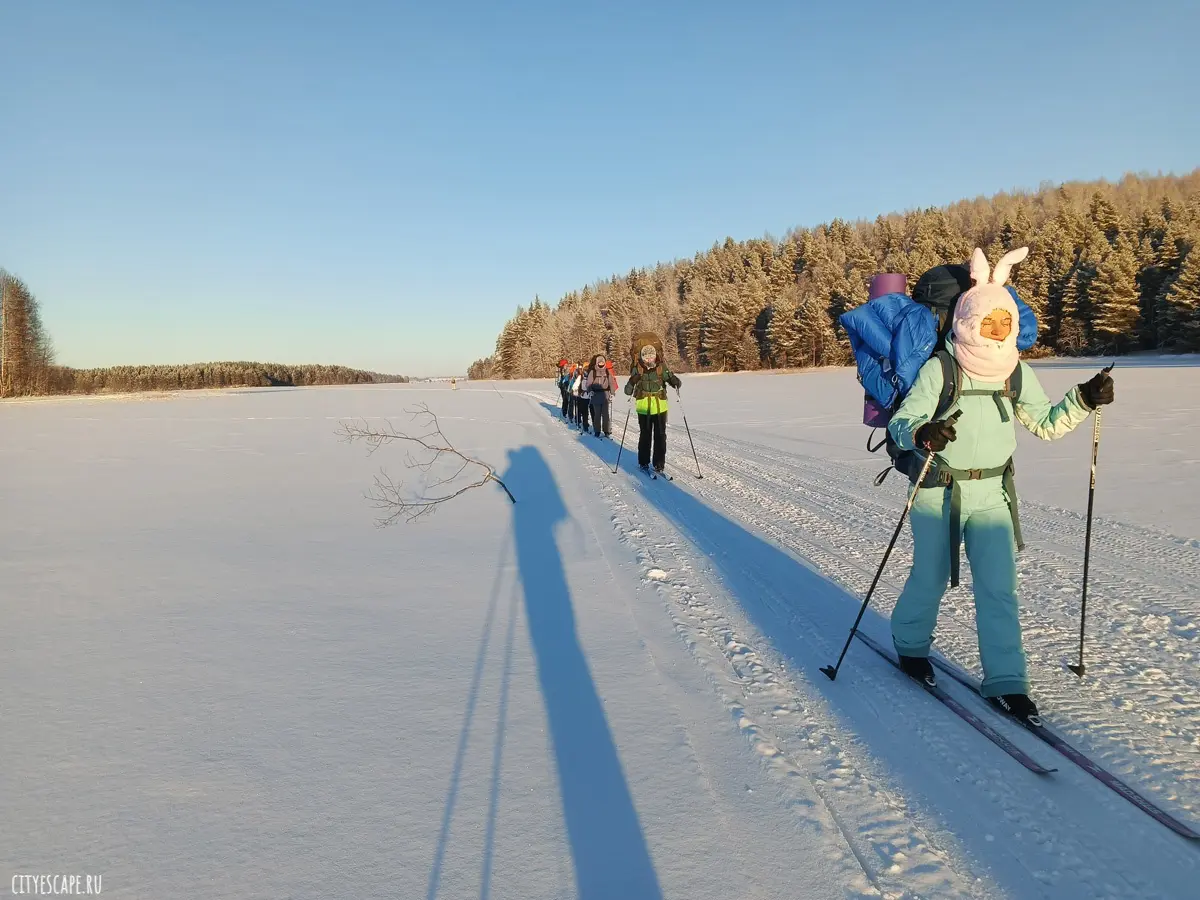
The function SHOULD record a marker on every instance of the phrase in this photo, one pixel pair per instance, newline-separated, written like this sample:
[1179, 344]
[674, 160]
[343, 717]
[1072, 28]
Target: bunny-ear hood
[981, 357]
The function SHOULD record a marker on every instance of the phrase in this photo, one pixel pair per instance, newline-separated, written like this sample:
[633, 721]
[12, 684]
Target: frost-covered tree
[723, 338]
[1115, 302]
[1104, 216]
[1179, 307]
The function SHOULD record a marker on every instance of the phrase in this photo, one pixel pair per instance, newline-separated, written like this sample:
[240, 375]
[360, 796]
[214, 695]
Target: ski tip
[829, 671]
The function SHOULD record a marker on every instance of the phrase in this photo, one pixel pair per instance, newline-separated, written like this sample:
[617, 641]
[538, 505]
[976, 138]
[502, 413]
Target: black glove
[1097, 391]
[674, 381]
[935, 435]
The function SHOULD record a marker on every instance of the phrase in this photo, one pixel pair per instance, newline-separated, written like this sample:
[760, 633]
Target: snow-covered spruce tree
[783, 332]
[1116, 308]
[723, 338]
[1179, 309]
[1105, 217]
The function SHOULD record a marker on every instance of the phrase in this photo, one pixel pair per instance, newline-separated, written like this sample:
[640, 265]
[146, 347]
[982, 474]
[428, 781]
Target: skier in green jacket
[647, 384]
[969, 494]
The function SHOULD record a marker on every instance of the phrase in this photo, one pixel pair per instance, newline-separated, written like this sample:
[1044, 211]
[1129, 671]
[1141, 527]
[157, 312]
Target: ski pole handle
[929, 454]
[1096, 431]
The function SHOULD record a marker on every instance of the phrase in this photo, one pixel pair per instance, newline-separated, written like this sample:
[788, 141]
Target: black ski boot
[918, 668]
[1019, 706]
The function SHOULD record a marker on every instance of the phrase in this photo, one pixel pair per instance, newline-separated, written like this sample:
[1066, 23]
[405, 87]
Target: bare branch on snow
[430, 453]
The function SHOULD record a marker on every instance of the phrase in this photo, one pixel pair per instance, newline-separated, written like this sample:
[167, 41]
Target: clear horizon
[380, 187]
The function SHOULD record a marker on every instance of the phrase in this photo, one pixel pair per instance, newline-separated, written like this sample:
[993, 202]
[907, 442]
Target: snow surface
[220, 679]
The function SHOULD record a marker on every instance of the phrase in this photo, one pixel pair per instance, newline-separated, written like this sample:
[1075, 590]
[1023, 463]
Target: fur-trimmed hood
[646, 339]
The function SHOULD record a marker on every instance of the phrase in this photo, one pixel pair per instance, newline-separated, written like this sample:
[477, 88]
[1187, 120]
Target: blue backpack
[892, 337]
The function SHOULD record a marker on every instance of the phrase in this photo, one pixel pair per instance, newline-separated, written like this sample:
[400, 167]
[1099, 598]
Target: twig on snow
[429, 450]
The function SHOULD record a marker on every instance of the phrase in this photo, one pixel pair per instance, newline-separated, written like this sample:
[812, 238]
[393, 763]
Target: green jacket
[978, 461]
[983, 440]
[649, 388]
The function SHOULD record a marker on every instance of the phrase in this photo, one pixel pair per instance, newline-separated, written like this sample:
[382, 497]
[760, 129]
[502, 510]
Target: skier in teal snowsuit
[972, 486]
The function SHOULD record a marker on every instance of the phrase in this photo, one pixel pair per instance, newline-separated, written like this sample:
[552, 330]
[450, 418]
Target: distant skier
[600, 385]
[564, 385]
[648, 380]
[969, 495]
[572, 405]
[580, 396]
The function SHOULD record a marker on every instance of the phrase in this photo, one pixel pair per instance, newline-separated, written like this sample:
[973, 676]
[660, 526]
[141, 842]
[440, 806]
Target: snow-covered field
[219, 679]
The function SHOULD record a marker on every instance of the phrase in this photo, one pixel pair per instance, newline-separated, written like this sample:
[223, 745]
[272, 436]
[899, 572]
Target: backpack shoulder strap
[1014, 384]
[1012, 390]
[950, 384]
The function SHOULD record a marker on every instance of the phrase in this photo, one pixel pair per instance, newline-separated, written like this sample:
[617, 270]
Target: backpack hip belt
[947, 477]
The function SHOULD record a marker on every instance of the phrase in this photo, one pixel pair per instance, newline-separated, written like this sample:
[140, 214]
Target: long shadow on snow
[464, 734]
[808, 627]
[608, 849]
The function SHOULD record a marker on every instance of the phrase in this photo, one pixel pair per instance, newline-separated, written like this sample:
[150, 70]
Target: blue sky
[379, 184]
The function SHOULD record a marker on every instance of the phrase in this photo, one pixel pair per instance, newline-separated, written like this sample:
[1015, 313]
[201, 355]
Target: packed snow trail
[220, 679]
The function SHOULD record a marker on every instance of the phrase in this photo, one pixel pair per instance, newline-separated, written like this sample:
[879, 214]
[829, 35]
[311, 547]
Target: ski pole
[1080, 668]
[689, 432]
[623, 432]
[832, 671]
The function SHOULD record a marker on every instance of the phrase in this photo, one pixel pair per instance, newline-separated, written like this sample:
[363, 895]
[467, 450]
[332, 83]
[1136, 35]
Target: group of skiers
[943, 376]
[588, 389]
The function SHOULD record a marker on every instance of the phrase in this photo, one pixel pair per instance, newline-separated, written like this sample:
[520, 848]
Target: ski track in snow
[759, 697]
[1139, 721]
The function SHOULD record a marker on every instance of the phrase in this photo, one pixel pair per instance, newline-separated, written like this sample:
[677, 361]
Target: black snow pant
[581, 403]
[652, 428]
[600, 413]
[566, 406]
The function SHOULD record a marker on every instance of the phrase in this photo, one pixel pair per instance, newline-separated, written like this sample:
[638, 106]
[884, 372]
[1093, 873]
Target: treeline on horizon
[27, 366]
[1112, 269]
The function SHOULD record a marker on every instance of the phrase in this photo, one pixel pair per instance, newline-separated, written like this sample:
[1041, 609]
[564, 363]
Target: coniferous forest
[27, 362]
[1113, 268]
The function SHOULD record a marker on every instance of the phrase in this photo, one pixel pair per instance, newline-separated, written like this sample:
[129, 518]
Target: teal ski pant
[991, 552]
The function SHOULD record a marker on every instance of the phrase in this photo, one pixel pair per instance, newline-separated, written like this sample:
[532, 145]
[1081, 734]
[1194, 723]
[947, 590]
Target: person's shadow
[608, 848]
